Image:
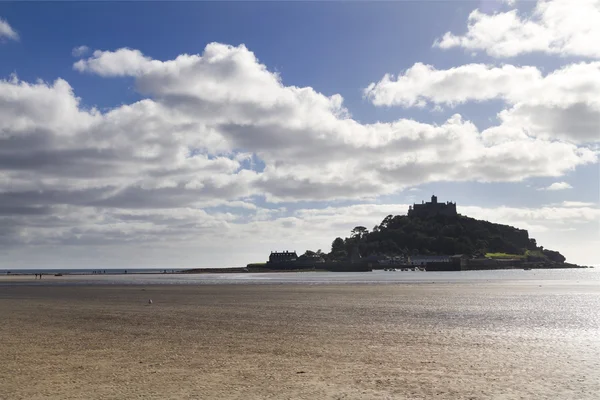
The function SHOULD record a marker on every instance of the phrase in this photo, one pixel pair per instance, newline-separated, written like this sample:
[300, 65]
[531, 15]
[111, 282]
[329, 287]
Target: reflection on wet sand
[351, 341]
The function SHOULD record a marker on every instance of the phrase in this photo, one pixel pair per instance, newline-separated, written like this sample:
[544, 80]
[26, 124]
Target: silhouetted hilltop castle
[431, 209]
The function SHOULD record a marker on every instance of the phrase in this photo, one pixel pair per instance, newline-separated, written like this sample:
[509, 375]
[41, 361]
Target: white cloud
[562, 27]
[7, 32]
[225, 100]
[422, 84]
[80, 51]
[115, 63]
[546, 217]
[288, 127]
[577, 204]
[558, 186]
[560, 105]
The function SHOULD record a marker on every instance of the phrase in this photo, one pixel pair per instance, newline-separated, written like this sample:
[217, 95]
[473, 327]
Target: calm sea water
[87, 271]
[150, 277]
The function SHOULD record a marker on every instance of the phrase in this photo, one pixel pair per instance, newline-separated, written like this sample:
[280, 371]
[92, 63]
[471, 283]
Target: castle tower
[434, 199]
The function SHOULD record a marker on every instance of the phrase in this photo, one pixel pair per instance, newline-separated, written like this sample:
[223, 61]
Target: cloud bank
[560, 105]
[189, 143]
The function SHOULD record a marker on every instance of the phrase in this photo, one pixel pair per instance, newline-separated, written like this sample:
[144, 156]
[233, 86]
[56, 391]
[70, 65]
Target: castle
[431, 209]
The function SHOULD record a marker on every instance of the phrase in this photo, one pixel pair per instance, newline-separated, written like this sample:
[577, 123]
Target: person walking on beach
[35, 276]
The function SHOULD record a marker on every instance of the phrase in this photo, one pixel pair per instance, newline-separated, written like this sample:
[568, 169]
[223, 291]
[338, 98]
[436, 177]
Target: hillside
[441, 234]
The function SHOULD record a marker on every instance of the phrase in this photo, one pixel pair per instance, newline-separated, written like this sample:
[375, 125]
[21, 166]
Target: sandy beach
[410, 341]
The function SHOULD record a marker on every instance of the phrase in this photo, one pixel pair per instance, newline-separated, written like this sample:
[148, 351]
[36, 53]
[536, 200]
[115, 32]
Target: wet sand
[404, 341]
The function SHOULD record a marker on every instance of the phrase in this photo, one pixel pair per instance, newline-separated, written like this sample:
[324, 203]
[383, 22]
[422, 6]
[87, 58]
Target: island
[432, 236]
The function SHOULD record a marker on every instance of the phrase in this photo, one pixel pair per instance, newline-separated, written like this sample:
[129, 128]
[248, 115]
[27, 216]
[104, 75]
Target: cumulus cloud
[558, 186]
[562, 27]
[560, 105]
[114, 63]
[248, 107]
[422, 84]
[80, 51]
[166, 167]
[7, 32]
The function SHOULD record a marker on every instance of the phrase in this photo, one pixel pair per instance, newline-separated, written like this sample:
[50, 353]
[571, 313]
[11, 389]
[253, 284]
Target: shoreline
[582, 279]
[238, 270]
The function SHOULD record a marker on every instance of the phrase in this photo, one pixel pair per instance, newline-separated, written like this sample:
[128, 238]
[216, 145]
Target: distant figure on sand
[35, 276]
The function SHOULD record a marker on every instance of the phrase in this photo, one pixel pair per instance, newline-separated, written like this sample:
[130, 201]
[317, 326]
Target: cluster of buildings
[292, 258]
[418, 260]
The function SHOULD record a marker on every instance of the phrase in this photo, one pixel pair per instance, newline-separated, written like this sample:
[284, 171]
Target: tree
[386, 223]
[338, 245]
[359, 232]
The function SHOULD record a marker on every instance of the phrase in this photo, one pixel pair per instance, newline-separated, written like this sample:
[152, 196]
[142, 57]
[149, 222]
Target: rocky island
[432, 236]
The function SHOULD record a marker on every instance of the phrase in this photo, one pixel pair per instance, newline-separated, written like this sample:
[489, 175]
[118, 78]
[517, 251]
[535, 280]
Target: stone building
[431, 209]
[282, 256]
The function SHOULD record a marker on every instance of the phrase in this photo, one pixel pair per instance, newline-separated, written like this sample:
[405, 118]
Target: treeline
[403, 235]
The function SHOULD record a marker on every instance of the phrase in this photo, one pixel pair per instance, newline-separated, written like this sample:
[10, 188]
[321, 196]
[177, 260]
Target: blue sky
[333, 48]
[305, 42]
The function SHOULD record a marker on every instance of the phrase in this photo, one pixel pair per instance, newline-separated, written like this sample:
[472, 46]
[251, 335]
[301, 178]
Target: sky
[204, 134]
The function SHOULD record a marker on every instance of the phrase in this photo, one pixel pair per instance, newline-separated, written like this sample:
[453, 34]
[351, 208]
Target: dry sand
[294, 342]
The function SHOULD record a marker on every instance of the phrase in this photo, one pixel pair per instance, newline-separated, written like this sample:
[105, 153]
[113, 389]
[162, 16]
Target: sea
[88, 271]
[564, 277]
